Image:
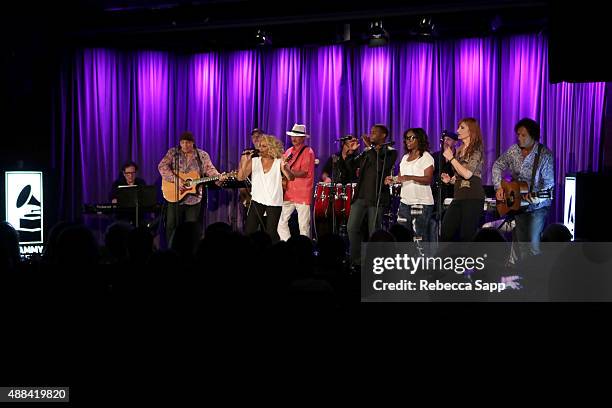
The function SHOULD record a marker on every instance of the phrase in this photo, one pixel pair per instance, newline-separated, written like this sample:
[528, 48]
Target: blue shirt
[521, 169]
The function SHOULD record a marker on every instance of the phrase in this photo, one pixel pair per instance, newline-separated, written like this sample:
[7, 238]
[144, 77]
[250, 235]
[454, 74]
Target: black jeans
[359, 209]
[186, 213]
[462, 216]
[269, 223]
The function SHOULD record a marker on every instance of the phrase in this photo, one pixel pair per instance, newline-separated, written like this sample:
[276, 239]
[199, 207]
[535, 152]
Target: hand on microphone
[353, 144]
[366, 140]
[250, 152]
[446, 133]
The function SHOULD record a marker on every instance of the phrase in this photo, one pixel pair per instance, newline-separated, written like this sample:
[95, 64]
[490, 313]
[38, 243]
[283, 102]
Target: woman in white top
[416, 172]
[266, 173]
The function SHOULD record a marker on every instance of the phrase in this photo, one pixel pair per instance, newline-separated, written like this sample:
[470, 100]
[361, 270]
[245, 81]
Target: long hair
[421, 137]
[275, 147]
[475, 136]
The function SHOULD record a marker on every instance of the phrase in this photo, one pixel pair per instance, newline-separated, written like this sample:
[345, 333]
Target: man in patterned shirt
[519, 159]
[189, 159]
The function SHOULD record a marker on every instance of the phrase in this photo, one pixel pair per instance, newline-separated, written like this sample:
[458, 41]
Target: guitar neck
[205, 179]
[542, 194]
[538, 194]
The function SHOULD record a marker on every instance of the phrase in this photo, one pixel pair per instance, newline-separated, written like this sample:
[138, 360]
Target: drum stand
[415, 210]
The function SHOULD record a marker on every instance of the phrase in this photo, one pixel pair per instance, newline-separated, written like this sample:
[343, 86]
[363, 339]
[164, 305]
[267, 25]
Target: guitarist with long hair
[190, 159]
[528, 161]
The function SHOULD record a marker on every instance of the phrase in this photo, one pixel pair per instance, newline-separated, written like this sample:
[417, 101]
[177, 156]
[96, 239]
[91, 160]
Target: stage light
[496, 23]
[425, 27]
[377, 34]
[262, 38]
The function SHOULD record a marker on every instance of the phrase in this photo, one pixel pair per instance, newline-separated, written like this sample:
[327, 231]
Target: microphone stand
[177, 180]
[379, 186]
[333, 188]
[137, 205]
[439, 192]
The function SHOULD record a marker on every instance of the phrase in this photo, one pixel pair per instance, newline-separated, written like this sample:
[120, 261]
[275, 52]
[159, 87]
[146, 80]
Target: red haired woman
[463, 215]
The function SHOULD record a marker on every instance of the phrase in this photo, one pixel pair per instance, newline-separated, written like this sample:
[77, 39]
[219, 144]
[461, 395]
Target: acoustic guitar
[191, 181]
[516, 194]
[284, 179]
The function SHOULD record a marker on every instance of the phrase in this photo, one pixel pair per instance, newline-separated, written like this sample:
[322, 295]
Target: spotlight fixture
[262, 38]
[425, 27]
[496, 23]
[377, 34]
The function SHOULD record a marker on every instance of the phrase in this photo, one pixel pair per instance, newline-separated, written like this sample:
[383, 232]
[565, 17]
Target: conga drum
[349, 191]
[339, 201]
[321, 199]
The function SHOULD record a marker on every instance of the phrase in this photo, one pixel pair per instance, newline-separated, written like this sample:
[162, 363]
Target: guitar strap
[297, 157]
[536, 162]
[199, 161]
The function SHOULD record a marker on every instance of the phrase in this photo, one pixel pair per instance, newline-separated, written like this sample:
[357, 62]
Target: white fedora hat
[298, 130]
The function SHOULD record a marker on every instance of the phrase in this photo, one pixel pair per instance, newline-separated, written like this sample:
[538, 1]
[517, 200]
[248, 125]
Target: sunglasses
[410, 138]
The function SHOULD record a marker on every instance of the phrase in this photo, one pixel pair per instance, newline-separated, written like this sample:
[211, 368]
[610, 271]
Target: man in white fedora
[298, 194]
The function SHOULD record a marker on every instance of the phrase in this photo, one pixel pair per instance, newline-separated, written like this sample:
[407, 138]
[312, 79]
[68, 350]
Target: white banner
[24, 204]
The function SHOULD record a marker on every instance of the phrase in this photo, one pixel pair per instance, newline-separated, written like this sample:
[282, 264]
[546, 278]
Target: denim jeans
[419, 224]
[529, 226]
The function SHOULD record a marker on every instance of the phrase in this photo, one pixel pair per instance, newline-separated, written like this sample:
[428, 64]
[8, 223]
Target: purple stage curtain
[113, 106]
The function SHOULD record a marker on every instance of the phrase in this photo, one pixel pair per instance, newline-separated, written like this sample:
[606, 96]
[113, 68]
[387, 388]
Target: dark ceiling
[200, 25]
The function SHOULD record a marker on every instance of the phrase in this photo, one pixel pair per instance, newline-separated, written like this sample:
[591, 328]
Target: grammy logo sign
[24, 204]
[569, 207]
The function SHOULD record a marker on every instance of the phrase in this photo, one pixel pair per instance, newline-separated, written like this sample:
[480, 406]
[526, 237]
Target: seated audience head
[140, 244]
[401, 233]
[77, 247]
[186, 238]
[382, 236]
[9, 247]
[116, 239]
[488, 235]
[556, 233]
[218, 229]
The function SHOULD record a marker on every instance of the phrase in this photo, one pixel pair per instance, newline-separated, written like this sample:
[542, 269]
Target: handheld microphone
[247, 151]
[387, 143]
[344, 138]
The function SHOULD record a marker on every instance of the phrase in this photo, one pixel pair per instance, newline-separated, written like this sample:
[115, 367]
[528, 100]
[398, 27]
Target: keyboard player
[127, 178]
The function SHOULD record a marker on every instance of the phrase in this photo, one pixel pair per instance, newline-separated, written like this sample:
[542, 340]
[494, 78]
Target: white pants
[303, 211]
